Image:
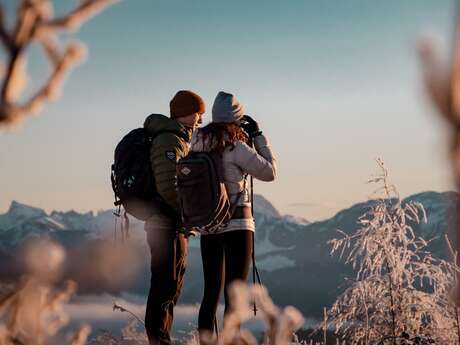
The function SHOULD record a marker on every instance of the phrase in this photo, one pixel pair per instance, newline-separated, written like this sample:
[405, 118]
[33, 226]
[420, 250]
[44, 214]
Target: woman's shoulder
[197, 136]
[200, 142]
[241, 146]
[238, 150]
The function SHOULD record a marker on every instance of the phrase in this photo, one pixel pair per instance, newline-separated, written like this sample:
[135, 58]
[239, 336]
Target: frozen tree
[35, 23]
[401, 292]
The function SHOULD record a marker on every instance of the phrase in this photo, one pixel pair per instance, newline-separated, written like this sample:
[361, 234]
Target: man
[168, 247]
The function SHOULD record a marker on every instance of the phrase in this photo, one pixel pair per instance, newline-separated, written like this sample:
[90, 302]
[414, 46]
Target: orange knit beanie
[185, 103]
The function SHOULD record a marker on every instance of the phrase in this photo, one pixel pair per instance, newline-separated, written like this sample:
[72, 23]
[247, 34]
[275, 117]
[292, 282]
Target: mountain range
[292, 254]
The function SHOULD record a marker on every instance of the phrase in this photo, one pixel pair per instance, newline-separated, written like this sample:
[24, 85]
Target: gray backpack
[205, 206]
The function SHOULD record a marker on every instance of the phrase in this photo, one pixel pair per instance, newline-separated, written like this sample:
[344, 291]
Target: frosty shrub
[280, 324]
[31, 312]
[401, 292]
[131, 334]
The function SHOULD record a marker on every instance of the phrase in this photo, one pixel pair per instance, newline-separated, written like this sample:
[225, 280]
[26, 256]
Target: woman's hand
[250, 126]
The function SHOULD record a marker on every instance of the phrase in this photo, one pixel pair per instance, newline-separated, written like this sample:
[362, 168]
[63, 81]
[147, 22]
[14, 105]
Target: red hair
[221, 135]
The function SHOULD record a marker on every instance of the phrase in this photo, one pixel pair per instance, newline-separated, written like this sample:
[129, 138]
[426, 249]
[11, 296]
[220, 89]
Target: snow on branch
[35, 23]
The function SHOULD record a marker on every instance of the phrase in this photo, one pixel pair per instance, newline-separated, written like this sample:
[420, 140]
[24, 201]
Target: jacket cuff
[260, 141]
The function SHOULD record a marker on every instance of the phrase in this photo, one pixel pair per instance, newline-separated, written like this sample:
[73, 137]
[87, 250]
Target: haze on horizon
[333, 84]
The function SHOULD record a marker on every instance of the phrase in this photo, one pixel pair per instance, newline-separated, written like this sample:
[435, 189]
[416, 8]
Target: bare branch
[77, 16]
[50, 47]
[34, 23]
[26, 25]
[17, 79]
[4, 35]
[437, 80]
[50, 89]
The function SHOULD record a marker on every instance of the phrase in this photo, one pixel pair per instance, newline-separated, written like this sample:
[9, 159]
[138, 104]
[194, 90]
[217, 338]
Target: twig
[325, 326]
[392, 310]
[122, 309]
[4, 36]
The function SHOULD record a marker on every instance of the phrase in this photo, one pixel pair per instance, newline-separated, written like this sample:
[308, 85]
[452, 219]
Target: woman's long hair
[221, 135]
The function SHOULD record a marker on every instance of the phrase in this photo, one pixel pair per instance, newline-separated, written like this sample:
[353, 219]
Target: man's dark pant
[168, 260]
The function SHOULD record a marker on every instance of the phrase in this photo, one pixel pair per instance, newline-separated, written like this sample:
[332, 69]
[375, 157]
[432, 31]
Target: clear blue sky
[334, 84]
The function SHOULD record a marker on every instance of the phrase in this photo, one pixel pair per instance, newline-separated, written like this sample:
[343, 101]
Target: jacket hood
[155, 123]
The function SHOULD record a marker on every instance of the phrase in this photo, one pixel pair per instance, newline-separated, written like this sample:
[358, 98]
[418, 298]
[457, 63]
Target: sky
[333, 85]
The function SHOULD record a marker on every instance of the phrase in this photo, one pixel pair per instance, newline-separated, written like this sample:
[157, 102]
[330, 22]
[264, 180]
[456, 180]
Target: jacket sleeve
[258, 162]
[165, 151]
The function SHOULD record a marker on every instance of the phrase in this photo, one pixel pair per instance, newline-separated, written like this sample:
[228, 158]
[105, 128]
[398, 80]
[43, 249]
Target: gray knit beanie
[226, 108]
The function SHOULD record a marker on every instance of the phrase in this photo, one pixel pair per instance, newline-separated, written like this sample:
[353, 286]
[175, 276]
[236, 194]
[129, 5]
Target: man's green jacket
[167, 148]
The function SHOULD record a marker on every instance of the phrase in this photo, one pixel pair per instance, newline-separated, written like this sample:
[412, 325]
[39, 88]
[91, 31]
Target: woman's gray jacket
[238, 162]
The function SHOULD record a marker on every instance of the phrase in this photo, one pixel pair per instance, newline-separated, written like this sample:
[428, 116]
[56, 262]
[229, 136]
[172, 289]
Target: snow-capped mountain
[265, 207]
[22, 221]
[292, 254]
[19, 213]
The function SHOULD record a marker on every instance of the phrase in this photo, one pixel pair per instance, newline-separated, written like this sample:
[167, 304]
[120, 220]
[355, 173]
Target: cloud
[100, 307]
[104, 266]
[97, 310]
[97, 266]
[311, 204]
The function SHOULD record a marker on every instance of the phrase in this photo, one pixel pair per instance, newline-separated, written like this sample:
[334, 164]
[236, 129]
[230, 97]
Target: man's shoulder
[172, 138]
[165, 130]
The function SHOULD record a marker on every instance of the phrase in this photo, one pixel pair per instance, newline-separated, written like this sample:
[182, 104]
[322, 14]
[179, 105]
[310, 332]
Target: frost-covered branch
[35, 24]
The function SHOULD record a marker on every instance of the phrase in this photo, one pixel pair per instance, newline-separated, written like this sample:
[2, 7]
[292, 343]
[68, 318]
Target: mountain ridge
[292, 256]
[262, 206]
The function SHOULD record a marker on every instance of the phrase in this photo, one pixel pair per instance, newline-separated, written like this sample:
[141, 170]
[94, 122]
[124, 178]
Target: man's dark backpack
[203, 198]
[132, 179]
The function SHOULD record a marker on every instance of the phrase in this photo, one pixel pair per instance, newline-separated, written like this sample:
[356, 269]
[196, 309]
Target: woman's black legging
[226, 257]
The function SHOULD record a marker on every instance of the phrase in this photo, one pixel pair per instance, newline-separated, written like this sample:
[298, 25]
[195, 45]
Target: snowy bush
[32, 311]
[401, 291]
[280, 323]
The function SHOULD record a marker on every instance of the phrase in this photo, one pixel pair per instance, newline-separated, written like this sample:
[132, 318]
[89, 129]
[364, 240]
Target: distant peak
[19, 209]
[430, 195]
[426, 198]
[263, 206]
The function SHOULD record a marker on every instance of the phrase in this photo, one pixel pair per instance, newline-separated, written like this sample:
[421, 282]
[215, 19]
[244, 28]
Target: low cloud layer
[97, 266]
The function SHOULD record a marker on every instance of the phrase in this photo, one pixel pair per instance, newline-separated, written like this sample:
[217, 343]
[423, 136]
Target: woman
[228, 252]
